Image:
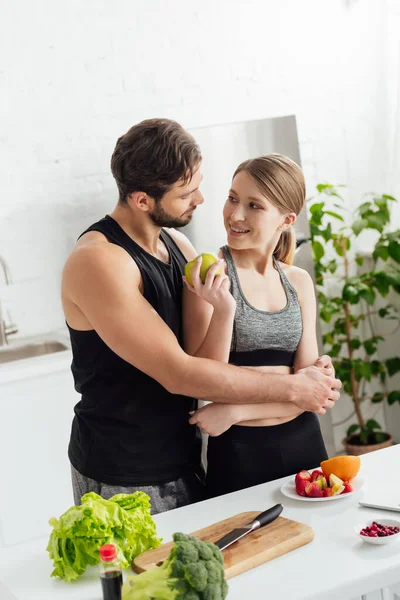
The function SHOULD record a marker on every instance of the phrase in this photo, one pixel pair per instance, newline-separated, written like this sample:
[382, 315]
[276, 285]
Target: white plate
[389, 539]
[289, 489]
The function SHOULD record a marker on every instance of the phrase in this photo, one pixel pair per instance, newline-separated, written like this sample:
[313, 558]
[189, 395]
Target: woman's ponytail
[284, 250]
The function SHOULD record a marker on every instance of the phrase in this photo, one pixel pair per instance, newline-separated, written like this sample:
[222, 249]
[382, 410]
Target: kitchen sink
[29, 350]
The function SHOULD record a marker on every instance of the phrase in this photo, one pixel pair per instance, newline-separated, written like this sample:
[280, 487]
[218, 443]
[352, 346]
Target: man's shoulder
[183, 243]
[93, 246]
[93, 253]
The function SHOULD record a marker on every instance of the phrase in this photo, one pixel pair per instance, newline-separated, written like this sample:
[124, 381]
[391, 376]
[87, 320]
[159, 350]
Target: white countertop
[336, 564]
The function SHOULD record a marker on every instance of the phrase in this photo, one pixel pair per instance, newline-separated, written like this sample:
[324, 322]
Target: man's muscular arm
[103, 282]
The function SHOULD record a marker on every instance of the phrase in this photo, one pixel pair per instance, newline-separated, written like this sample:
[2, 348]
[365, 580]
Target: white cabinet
[36, 413]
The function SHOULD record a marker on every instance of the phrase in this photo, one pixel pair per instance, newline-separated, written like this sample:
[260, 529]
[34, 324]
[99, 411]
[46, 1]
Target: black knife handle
[269, 515]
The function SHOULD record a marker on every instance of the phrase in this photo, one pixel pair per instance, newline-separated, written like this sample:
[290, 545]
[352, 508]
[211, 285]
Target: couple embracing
[147, 344]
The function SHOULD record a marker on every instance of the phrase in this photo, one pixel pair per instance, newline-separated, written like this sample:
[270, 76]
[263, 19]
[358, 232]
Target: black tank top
[128, 429]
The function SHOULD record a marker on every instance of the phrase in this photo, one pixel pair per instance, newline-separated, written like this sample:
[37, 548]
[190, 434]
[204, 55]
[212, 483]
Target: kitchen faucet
[5, 330]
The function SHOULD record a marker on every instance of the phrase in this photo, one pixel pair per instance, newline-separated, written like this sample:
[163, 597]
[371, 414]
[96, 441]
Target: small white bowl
[379, 541]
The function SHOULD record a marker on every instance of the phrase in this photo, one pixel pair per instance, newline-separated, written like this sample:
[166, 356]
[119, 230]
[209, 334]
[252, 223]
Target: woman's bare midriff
[276, 421]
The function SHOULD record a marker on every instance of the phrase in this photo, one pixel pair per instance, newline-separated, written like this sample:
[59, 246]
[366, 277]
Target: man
[121, 293]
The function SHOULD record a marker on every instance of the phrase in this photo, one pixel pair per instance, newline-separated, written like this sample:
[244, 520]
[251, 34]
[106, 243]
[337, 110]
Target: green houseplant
[352, 291]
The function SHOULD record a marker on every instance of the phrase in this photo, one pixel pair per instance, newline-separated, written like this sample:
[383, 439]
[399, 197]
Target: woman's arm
[215, 418]
[208, 314]
[307, 350]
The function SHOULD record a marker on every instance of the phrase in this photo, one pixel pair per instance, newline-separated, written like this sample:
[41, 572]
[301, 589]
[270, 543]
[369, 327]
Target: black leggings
[246, 456]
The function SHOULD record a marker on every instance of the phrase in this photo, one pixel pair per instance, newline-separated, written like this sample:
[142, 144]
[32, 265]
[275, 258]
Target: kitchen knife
[260, 521]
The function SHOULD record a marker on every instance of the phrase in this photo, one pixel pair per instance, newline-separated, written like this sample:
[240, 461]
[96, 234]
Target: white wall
[392, 34]
[79, 74]
[392, 346]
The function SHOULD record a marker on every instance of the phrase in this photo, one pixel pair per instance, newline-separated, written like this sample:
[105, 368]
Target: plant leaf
[359, 225]
[376, 221]
[334, 214]
[335, 350]
[337, 244]
[327, 233]
[393, 365]
[370, 347]
[360, 260]
[382, 283]
[332, 266]
[364, 208]
[366, 371]
[394, 251]
[367, 293]
[371, 424]
[322, 187]
[394, 397]
[317, 207]
[352, 429]
[380, 252]
[377, 397]
[318, 250]
[350, 293]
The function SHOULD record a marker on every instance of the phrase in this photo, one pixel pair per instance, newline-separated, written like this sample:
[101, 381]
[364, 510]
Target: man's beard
[163, 219]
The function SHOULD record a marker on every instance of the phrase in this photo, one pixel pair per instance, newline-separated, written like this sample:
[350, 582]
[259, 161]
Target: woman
[260, 313]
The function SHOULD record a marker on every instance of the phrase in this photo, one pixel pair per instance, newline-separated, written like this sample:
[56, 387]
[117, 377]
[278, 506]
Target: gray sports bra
[262, 338]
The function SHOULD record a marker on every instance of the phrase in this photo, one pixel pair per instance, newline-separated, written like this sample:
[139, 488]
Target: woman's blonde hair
[282, 182]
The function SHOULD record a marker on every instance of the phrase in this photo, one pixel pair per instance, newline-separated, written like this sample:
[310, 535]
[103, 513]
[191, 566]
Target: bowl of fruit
[384, 531]
[336, 478]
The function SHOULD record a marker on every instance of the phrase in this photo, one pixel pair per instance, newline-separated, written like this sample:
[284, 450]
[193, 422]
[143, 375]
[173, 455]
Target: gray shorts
[165, 496]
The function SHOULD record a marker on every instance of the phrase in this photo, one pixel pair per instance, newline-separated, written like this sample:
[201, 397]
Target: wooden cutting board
[277, 538]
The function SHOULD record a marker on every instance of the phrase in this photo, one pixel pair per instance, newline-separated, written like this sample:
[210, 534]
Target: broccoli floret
[194, 570]
[205, 552]
[196, 575]
[214, 572]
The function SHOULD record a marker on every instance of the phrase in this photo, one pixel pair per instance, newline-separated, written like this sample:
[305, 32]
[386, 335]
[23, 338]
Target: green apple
[207, 261]
[321, 482]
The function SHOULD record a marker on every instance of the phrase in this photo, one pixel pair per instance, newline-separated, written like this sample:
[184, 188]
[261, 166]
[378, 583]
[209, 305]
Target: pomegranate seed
[379, 530]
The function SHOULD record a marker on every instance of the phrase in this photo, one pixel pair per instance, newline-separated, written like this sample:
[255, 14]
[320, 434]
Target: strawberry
[302, 476]
[347, 487]
[301, 487]
[316, 474]
[328, 491]
[313, 490]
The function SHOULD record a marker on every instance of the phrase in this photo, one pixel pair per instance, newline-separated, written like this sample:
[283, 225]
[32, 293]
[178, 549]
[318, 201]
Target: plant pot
[356, 449]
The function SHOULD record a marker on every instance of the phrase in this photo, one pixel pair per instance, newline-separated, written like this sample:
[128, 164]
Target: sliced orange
[344, 467]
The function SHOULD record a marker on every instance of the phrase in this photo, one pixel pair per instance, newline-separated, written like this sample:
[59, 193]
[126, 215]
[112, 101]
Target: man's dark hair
[152, 156]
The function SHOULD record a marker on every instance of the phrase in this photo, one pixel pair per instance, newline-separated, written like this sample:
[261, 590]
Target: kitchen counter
[336, 564]
[37, 365]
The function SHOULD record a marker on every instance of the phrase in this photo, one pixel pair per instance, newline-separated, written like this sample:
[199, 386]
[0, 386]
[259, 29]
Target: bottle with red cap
[110, 573]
